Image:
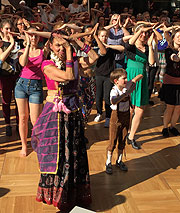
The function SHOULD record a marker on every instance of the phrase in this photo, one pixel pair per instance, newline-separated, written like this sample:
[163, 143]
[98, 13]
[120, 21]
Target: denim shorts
[29, 88]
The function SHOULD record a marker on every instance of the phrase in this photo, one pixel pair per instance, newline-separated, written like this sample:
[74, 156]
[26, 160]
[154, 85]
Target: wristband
[69, 63]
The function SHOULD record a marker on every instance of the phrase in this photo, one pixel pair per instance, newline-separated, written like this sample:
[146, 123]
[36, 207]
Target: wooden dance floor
[152, 183]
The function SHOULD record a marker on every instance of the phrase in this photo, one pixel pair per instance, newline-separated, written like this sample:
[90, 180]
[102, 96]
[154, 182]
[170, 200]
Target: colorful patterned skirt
[87, 95]
[69, 185]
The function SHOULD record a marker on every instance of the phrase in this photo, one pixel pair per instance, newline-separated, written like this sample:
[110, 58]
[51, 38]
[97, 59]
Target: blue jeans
[31, 89]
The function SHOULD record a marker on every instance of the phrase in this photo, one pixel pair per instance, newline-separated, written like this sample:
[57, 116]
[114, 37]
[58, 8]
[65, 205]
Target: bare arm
[60, 75]
[95, 10]
[126, 33]
[42, 4]
[87, 61]
[115, 47]
[79, 35]
[126, 38]
[23, 59]
[146, 22]
[46, 49]
[42, 33]
[134, 38]
[167, 35]
[72, 26]
[39, 25]
[158, 35]
[136, 35]
[109, 27]
[102, 48]
[123, 27]
[175, 57]
[151, 51]
[112, 25]
[100, 45]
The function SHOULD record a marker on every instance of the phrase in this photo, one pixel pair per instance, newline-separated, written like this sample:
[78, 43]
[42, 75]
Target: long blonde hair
[112, 17]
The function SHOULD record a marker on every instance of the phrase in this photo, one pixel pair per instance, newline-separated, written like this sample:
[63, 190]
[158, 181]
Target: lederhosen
[118, 129]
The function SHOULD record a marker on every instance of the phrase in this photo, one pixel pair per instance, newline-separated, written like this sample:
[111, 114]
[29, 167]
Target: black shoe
[122, 166]
[8, 131]
[151, 103]
[133, 143]
[165, 132]
[86, 140]
[109, 169]
[174, 131]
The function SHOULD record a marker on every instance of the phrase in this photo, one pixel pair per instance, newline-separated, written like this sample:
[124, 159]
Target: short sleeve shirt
[123, 105]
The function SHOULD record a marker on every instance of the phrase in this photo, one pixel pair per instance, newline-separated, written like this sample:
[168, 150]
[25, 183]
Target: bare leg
[23, 123]
[131, 116]
[35, 111]
[175, 116]
[167, 115]
[136, 121]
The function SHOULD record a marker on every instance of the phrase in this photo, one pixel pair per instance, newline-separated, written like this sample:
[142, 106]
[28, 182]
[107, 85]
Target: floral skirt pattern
[162, 67]
[87, 95]
[70, 185]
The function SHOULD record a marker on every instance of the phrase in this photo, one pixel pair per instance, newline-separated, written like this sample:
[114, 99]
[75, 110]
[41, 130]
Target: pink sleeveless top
[71, 87]
[51, 84]
[33, 69]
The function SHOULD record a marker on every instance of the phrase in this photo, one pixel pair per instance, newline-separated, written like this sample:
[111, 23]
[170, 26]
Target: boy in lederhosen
[120, 116]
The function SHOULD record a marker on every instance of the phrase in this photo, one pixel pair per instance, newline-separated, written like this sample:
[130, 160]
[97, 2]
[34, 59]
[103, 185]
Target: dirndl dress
[136, 66]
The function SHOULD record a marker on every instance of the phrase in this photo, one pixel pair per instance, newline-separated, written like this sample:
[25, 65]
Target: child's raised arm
[132, 86]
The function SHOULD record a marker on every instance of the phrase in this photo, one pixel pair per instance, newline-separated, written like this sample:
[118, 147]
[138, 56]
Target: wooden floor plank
[152, 183]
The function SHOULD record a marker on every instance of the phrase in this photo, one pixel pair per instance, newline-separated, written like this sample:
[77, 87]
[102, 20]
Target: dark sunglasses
[20, 23]
[37, 15]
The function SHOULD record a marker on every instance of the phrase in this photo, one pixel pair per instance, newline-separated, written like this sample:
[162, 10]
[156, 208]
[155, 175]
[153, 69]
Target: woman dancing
[9, 70]
[170, 92]
[29, 90]
[58, 135]
[138, 55]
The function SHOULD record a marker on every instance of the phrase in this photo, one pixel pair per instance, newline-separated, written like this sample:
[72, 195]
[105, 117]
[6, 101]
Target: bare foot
[23, 152]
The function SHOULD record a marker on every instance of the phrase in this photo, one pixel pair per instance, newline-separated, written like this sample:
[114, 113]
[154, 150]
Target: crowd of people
[86, 56]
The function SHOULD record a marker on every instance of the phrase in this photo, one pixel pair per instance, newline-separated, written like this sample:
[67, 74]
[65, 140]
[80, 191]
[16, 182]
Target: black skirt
[170, 94]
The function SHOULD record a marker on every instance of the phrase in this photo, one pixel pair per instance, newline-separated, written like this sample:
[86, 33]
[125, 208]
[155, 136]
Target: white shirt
[123, 105]
[75, 10]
